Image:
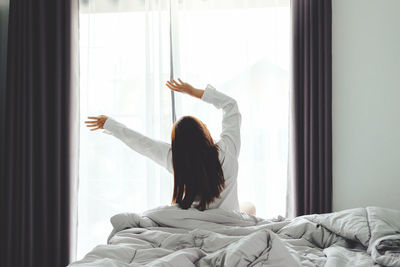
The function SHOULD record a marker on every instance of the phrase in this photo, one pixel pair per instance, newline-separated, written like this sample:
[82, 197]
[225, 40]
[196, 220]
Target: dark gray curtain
[37, 178]
[312, 105]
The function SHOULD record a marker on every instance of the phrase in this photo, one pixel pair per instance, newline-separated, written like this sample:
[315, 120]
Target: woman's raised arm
[230, 136]
[231, 120]
[158, 151]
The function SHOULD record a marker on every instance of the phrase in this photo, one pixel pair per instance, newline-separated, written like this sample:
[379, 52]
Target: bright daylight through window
[239, 47]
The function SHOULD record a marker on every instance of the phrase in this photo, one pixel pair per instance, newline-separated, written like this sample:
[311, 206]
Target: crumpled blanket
[169, 236]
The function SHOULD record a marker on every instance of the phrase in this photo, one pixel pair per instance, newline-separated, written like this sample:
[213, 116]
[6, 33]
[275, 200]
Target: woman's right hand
[96, 123]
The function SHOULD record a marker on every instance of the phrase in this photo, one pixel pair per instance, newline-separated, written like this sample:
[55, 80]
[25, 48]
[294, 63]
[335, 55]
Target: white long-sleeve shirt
[229, 145]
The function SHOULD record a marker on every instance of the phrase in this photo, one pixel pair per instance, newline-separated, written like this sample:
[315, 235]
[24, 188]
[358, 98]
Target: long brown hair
[198, 173]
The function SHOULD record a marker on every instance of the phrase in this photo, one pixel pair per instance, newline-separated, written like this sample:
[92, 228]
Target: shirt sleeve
[159, 152]
[231, 121]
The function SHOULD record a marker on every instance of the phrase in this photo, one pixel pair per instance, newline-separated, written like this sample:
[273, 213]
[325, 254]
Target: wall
[366, 103]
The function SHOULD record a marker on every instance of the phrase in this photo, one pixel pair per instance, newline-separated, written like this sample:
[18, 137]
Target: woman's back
[228, 145]
[229, 196]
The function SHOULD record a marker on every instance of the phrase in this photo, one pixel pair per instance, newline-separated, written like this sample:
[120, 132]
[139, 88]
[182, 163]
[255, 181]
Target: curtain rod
[171, 63]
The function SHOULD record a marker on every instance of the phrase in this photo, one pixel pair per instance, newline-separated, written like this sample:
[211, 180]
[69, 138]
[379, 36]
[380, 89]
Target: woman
[205, 173]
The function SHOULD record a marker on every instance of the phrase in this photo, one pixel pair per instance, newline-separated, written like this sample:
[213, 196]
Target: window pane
[124, 63]
[243, 52]
[241, 49]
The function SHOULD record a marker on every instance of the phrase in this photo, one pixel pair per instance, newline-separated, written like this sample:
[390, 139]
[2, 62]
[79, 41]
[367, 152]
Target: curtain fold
[40, 134]
[311, 173]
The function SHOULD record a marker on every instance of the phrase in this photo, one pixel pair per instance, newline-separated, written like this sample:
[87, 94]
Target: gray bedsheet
[169, 236]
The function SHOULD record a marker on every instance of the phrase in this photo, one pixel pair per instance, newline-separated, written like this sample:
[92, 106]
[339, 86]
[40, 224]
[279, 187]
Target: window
[240, 47]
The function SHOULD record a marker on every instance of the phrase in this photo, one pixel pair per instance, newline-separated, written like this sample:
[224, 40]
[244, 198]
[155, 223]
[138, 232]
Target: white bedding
[169, 236]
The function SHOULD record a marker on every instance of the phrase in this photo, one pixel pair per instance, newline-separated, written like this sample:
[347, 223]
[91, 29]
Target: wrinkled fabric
[169, 236]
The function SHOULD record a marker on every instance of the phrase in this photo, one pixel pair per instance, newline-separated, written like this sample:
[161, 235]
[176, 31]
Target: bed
[169, 236]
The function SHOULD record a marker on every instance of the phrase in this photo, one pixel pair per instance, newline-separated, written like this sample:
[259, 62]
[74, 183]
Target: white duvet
[169, 236]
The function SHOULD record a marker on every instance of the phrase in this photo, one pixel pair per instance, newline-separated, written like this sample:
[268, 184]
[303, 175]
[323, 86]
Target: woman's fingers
[173, 83]
[178, 84]
[92, 122]
[172, 86]
[96, 123]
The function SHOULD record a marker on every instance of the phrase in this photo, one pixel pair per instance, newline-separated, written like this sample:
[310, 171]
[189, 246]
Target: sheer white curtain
[240, 47]
[125, 61]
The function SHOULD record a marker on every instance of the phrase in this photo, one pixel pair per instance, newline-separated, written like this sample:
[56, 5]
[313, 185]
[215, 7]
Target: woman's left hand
[182, 87]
